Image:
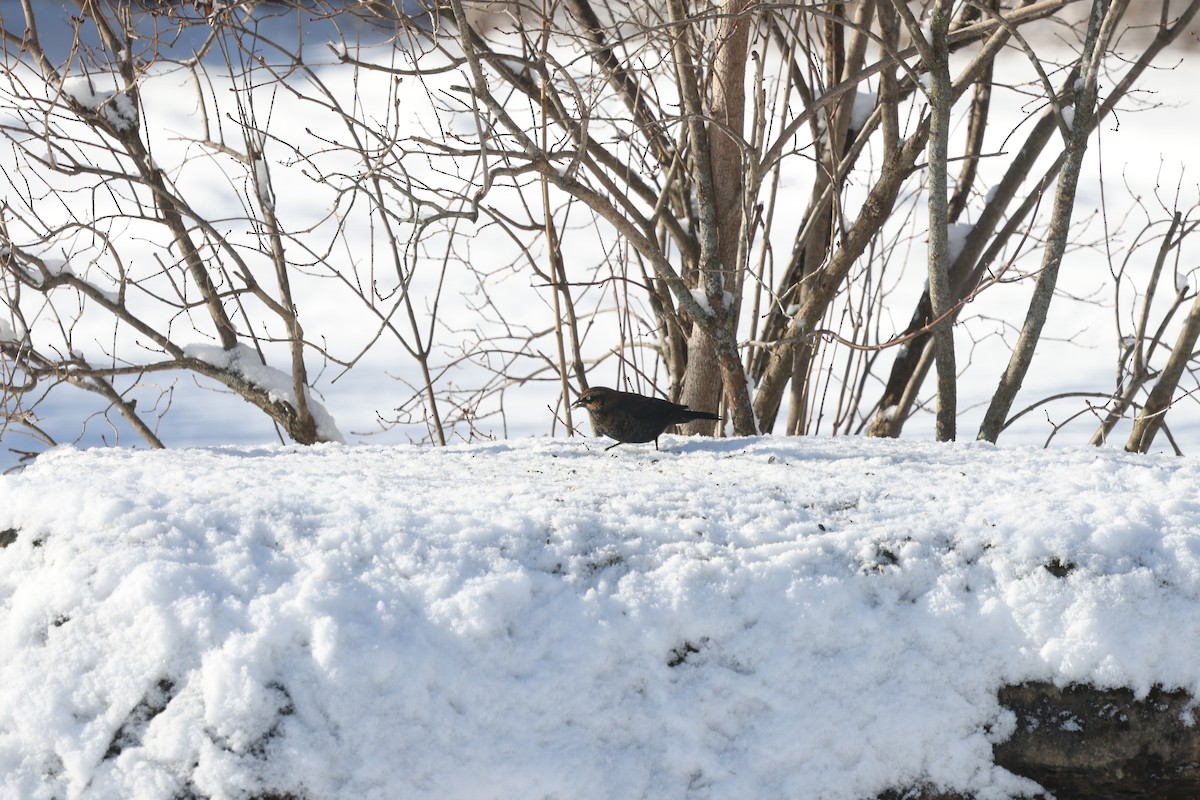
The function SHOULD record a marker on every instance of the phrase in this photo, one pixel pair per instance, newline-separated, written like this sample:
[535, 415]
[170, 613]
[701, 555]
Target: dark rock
[920, 793]
[1083, 743]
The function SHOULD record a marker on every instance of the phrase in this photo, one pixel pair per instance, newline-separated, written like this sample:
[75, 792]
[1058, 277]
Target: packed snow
[537, 618]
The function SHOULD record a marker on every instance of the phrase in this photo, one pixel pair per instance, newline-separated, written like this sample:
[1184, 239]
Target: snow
[339, 50]
[262, 182]
[739, 618]
[864, 104]
[702, 300]
[279, 385]
[103, 94]
[8, 333]
[956, 236]
[927, 29]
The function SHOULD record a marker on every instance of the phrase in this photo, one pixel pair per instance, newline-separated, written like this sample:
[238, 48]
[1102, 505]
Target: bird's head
[593, 399]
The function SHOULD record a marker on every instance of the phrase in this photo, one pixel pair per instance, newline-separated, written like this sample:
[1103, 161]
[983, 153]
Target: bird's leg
[611, 446]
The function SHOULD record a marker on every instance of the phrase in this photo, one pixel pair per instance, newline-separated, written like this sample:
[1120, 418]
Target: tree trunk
[717, 166]
[941, 100]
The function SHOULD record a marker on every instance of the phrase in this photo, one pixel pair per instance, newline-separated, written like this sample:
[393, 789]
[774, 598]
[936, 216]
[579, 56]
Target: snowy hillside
[809, 618]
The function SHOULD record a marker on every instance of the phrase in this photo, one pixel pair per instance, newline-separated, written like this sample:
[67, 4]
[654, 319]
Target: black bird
[629, 417]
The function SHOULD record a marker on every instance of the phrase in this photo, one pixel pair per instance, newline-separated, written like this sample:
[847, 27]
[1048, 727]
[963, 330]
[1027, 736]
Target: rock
[1083, 743]
[920, 793]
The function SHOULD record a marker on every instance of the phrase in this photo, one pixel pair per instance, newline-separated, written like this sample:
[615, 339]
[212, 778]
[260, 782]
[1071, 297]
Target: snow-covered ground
[743, 618]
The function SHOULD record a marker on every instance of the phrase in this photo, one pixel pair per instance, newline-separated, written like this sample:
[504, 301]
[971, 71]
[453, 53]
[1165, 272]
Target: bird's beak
[578, 403]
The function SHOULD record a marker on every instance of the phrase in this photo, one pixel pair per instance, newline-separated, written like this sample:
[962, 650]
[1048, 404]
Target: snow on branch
[244, 362]
[102, 95]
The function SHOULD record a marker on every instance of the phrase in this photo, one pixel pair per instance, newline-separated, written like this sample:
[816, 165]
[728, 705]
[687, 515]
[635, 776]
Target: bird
[633, 418]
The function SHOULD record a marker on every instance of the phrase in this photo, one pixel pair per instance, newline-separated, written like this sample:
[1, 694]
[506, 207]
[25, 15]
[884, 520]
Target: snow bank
[816, 618]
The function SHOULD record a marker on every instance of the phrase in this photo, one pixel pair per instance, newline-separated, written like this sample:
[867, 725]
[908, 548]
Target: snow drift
[746, 618]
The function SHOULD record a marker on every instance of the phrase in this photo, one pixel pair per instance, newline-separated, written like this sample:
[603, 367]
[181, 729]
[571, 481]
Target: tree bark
[716, 161]
[941, 101]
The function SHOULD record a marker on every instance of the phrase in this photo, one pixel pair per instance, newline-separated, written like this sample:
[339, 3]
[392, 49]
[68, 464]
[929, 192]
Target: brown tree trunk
[720, 274]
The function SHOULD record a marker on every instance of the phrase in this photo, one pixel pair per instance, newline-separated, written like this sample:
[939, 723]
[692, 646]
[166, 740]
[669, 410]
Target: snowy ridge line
[766, 617]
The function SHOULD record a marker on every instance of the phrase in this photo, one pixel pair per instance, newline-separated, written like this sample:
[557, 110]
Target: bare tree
[1151, 312]
[81, 130]
[702, 54]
